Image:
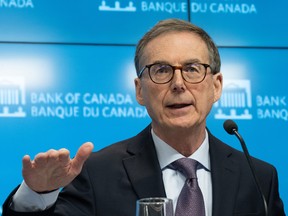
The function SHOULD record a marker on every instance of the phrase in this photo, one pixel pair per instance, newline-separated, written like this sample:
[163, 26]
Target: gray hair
[177, 25]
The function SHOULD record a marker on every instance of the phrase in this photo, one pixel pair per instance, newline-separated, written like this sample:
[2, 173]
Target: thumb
[81, 156]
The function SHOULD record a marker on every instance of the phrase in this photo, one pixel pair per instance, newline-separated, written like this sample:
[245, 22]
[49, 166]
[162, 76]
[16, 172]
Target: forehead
[175, 48]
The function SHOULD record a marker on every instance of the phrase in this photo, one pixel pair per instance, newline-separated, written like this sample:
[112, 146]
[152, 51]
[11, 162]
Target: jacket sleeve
[7, 211]
[274, 202]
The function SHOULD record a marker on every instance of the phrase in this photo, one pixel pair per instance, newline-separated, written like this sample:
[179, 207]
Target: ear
[218, 84]
[138, 90]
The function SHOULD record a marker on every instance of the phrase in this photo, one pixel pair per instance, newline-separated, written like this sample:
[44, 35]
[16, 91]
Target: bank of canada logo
[12, 97]
[117, 7]
[235, 102]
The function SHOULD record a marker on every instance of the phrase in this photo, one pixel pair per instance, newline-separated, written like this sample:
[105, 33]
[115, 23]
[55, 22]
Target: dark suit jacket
[115, 177]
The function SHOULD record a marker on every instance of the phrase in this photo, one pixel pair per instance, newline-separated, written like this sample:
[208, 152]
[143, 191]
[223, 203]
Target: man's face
[177, 104]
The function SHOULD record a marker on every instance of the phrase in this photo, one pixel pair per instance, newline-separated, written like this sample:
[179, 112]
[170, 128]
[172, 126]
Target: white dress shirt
[174, 180]
[36, 201]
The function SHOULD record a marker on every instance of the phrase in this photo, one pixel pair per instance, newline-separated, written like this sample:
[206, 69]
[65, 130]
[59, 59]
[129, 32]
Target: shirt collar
[166, 154]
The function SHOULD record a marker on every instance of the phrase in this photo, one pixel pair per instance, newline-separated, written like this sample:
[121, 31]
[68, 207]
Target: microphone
[231, 128]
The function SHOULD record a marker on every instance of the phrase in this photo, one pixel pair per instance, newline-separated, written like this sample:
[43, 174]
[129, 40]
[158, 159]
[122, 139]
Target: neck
[185, 141]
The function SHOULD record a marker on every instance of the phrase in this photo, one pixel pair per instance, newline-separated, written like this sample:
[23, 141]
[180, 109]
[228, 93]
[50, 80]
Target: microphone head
[230, 126]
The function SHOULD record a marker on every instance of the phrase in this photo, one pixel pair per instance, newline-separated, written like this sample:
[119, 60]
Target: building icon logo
[117, 7]
[12, 97]
[235, 102]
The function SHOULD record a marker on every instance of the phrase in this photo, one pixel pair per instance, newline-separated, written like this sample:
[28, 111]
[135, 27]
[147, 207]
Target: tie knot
[186, 166]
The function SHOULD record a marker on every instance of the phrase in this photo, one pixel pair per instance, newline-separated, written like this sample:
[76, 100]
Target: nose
[177, 83]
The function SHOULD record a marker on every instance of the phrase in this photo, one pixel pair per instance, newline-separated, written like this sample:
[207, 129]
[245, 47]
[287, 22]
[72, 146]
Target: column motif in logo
[12, 97]
[235, 102]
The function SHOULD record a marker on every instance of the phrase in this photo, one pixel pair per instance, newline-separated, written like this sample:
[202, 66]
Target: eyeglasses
[163, 73]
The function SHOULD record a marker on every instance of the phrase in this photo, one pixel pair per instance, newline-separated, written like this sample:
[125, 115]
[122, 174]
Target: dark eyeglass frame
[174, 68]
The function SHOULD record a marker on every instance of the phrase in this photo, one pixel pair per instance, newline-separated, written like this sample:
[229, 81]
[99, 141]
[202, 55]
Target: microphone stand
[248, 157]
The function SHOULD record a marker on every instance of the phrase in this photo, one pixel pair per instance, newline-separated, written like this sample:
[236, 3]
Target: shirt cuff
[25, 199]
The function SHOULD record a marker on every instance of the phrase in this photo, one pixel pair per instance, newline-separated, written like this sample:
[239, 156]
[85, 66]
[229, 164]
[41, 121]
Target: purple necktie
[190, 201]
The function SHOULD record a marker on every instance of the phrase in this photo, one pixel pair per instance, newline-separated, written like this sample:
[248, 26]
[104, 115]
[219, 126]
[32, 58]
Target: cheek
[204, 98]
[153, 98]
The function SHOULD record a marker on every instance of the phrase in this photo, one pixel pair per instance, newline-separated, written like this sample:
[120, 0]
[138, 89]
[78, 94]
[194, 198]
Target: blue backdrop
[66, 74]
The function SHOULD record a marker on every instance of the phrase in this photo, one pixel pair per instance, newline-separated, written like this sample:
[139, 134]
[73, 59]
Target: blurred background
[66, 75]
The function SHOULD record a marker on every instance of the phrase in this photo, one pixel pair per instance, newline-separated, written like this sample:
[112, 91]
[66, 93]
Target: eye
[161, 69]
[192, 68]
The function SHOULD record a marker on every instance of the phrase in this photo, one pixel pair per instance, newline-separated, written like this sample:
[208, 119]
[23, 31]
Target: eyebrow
[188, 61]
[160, 62]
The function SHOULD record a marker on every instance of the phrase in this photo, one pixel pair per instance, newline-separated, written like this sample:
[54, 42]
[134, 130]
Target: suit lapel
[225, 177]
[143, 167]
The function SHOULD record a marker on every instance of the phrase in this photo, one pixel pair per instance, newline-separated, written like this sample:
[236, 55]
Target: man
[179, 79]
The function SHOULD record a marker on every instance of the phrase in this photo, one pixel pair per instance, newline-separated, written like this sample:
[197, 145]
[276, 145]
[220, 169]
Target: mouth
[178, 106]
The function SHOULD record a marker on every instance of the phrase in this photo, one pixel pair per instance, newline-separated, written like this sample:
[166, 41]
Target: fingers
[85, 150]
[64, 155]
[81, 156]
[26, 162]
[40, 159]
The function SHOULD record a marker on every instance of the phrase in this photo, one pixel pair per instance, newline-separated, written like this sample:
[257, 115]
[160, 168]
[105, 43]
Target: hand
[54, 169]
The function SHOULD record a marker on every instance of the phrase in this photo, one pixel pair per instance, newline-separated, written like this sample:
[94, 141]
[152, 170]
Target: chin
[182, 124]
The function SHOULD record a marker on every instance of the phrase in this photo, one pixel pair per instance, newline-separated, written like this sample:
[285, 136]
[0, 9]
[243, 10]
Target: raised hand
[54, 169]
